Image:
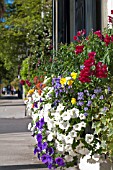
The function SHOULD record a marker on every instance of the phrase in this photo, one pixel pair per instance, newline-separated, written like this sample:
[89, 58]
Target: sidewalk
[16, 142]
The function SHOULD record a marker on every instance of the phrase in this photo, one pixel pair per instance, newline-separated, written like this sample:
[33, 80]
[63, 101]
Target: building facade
[70, 16]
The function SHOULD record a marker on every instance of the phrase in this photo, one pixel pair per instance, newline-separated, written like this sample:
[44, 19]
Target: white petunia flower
[82, 116]
[66, 116]
[72, 153]
[47, 107]
[64, 125]
[77, 127]
[29, 126]
[75, 112]
[69, 139]
[35, 117]
[68, 147]
[60, 107]
[60, 147]
[50, 137]
[89, 138]
[83, 124]
[68, 158]
[73, 133]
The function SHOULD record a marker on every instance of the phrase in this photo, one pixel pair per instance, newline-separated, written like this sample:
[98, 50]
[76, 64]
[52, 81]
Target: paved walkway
[16, 142]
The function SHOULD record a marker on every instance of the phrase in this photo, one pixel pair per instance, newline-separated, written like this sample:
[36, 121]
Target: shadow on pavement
[12, 125]
[22, 104]
[22, 167]
[9, 97]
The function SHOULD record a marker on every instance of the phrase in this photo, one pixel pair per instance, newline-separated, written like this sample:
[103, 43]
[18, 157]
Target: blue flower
[89, 103]
[80, 103]
[39, 137]
[80, 96]
[85, 108]
[59, 161]
[101, 97]
[50, 151]
[44, 145]
[93, 96]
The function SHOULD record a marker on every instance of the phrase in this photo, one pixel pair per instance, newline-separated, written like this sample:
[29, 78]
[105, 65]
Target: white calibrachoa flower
[60, 108]
[68, 158]
[89, 138]
[82, 116]
[69, 139]
[64, 125]
[77, 127]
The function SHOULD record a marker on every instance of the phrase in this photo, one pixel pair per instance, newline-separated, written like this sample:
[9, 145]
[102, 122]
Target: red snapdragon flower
[79, 49]
[75, 38]
[111, 11]
[111, 38]
[101, 70]
[22, 82]
[98, 33]
[89, 62]
[107, 39]
[110, 19]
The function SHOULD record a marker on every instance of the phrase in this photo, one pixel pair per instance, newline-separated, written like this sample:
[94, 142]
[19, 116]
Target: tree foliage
[24, 33]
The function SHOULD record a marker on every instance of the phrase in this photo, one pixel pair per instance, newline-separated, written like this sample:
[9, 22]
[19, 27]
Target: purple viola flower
[85, 108]
[109, 88]
[80, 96]
[44, 158]
[59, 161]
[44, 145]
[85, 114]
[42, 121]
[40, 144]
[105, 109]
[56, 93]
[35, 104]
[50, 166]
[47, 159]
[81, 67]
[93, 96]
[80, 103]
[35, 150]
[50, 151]
[89, 103]
[39, 137]
[41, 100]
[98, 90]
[101, 97]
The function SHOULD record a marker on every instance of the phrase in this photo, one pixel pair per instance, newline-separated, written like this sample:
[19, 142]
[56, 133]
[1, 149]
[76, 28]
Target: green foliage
[25, 33]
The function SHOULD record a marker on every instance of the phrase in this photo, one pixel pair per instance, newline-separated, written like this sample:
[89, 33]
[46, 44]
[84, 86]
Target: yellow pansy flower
[70, 82]
[63, 81]
[73, 100]
[31, 91]
[74, 75]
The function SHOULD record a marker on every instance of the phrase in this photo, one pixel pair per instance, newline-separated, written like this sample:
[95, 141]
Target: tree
[25, 32]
